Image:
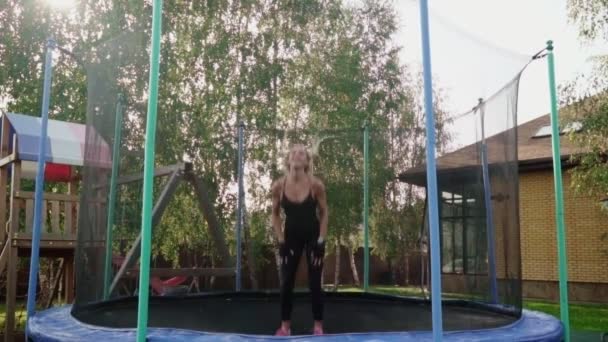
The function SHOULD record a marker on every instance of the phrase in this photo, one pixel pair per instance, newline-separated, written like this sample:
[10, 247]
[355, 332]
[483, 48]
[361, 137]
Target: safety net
[476, 91]
[231, 104]
[117, 85]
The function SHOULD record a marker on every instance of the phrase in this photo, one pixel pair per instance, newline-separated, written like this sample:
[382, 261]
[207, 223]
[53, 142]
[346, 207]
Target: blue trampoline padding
[59, 325]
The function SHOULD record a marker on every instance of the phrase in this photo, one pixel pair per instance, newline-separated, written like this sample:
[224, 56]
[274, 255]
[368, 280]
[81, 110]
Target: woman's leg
[289, 268]
[315, 270]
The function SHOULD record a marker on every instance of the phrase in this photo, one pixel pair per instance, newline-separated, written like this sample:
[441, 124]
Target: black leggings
[289, 270]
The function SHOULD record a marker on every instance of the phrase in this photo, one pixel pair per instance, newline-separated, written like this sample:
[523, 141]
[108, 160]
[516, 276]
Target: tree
[588, 103]
[587, 98]
[591, 16]
[290, 70]
[590, 174]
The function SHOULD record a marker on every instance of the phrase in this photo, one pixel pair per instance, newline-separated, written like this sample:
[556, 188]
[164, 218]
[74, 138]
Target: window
[545, 131]
[463, 235]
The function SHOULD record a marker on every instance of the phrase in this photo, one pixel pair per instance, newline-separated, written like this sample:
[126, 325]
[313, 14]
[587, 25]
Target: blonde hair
[308, 168]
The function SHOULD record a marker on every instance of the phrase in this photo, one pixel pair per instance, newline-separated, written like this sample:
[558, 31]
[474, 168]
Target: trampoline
[200, 286]
[245, 316]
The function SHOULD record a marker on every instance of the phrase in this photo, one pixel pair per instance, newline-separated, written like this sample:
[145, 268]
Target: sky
[477, 46]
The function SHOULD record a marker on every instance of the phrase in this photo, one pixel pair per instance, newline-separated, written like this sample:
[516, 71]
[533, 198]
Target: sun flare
[61, 4]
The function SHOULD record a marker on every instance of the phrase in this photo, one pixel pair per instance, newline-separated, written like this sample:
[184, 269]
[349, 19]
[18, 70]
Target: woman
[304, 203]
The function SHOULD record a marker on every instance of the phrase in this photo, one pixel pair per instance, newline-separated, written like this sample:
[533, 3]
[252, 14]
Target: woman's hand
[284, 252]
[318, 253]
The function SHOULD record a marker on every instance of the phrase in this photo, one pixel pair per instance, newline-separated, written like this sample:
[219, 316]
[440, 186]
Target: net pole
[146, 215]
[489, 210]
[239, 210]
[112, 196]
[39, 191]
[559, 197]
[366, 206]
[431, 175]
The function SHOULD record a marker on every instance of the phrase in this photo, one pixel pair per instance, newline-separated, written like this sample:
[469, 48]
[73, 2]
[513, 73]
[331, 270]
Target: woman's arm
[276, 210]
[321, 197]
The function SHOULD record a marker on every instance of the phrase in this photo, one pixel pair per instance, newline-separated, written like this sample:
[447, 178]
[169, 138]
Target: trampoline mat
[258, 313]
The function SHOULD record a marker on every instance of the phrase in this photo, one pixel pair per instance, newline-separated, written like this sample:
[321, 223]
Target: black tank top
[300, 217]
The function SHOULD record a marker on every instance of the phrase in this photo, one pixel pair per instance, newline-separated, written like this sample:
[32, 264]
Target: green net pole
[239, 207]
[146, 214]
[366, 205]
[107, 274]
[559, 197]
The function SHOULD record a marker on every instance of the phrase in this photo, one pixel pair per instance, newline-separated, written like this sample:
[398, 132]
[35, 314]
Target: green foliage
[591, 172]
[291, 71]
[591, 17]
[588, 100]
[585, 106]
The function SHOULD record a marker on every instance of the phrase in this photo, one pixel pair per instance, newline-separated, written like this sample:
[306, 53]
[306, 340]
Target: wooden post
[55, 284]
[70, 208]
[70, 229]
[68, 276]
[13, 256]
[11, 292]
[3, 173]
[55, 217]
[4, 136]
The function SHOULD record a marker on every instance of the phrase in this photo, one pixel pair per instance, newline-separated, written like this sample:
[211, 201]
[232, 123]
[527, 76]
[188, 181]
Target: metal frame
[240, 207]
[36, 231]
[181, 171]
[135, 251]
[431, 174]
[559, 197]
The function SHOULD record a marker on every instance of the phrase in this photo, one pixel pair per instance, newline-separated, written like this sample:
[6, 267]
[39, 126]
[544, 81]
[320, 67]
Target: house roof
[66, 141]
[533, 152]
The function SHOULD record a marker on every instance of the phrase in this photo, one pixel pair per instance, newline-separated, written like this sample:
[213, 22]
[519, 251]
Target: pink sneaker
[317, 331]
[283, 332]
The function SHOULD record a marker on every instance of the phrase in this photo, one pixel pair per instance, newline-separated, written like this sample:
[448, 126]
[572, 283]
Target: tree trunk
[407, 269]
[427, 271]
[212, 278]
[422, 271]
[277, 259]
[422, 275]
[249, 255]
[353, 266]
[389, 266]
[274, 107]
[337, 269]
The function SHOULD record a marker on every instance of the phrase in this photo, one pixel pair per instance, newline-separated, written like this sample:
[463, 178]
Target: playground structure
[18, 155]
[125, 266]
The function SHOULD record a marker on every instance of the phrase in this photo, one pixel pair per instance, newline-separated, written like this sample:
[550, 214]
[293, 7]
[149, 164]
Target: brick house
[585, 224]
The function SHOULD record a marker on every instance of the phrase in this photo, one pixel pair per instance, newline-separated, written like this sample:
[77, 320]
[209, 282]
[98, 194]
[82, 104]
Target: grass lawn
[587, 317]
[19, 316]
